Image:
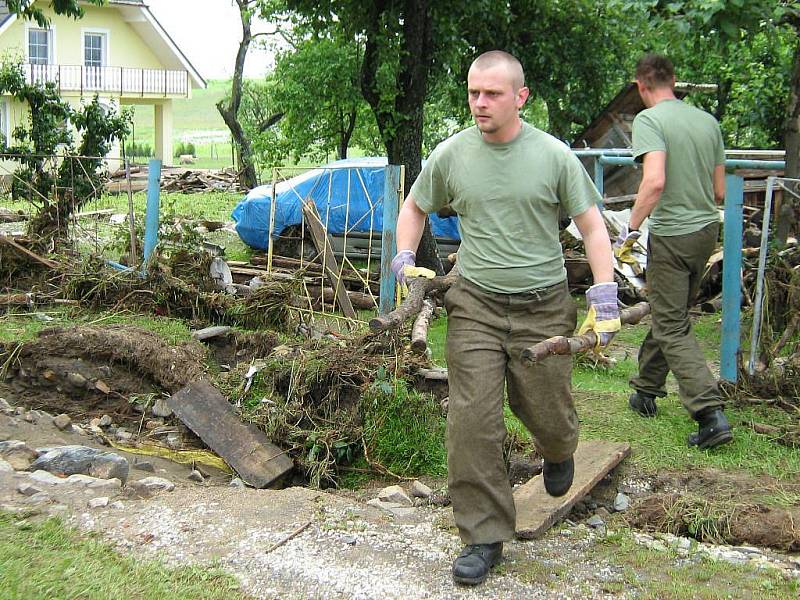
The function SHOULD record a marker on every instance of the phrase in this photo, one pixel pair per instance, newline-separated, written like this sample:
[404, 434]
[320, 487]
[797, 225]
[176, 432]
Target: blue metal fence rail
[732, 244]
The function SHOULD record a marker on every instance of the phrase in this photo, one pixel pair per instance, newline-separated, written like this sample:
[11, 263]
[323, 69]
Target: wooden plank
[243, 446]
[537, 510]
[323, 244]
[45, 261]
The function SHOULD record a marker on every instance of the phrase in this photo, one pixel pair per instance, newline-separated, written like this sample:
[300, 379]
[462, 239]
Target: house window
[93, 49]
[39, 46]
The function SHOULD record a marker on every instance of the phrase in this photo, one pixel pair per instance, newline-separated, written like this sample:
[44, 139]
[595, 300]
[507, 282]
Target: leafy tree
[28, 10]
[57, 187]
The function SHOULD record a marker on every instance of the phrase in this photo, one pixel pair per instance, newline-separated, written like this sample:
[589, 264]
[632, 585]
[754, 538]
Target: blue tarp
[360, 179]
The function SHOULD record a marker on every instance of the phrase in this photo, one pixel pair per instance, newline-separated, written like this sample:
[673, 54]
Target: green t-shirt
[507, 198]
[693, 143]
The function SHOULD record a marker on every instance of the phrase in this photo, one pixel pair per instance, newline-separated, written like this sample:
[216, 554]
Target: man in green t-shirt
[683, 180]
[507, 181]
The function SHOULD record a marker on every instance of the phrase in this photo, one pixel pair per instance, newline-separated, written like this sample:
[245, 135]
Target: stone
[99, 502]
[197, 476]
[40, 498]
[5, 406]
[49, 375]
[174, 441]
[144, 488]
[350, 540]
[105, 421]
[27, 489]
[123, 435]
[62, 421]
[152, 424]
[72, 460]
[596, 522]
[395, 494]
[46, 477]
[160, 408]
[420, 490]
[31, 416]
[118, 505]
[5, 466]
[19, 411]
[237, 483]
[102, 386]
[95, 422]
[393, 508]
[621, 502]
[106, 485]
[603, 513]
[77, 380]
[18, 454]
[144, 465]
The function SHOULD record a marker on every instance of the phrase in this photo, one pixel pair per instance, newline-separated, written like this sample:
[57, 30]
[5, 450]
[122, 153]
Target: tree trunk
[792, 124]
[401, 128]
[344, 139]
[230, 113]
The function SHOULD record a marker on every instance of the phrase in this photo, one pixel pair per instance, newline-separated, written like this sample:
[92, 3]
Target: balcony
[122, 81]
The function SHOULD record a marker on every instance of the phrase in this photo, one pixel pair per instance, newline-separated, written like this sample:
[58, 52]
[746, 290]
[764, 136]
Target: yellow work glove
[623, 246]
[603, 314]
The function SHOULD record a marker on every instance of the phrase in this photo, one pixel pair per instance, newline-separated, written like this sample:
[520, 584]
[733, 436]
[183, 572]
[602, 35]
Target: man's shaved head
[495, 58]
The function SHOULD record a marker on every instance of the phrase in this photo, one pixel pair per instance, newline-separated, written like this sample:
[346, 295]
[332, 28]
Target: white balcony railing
[124, 81]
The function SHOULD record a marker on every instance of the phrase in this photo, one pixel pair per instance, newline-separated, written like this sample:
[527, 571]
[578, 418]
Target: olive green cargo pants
[486, 334]
[675, 266]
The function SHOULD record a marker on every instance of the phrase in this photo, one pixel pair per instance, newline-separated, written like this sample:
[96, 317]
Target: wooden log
[418, 289]
[358, 299]
[572, 345]
[16, 299]
[419, 332]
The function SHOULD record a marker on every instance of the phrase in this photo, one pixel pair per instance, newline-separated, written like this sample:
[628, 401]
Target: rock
[94, 423]
[237, 483]
[174, 441]
[41, 497]
[46, 477]
[621, 502]
[197, 476]
[31, 416]
[350, 540]
[152, 424]
[77, 380]
[5, 466]
[106, 485]
[211, 332]
[62, 421]
[596, 522]
[98, 502]
[603, 513]
[27, 489]
[5, 407]
[160, 408]
[102, 386]
[144, 488]
[118, 505]
[105, 421]
[144, 466]
[19, 411]
[395, 494]
[393, 508]
[18, 454]
[420, 490]
[71, 460]
[122, 435]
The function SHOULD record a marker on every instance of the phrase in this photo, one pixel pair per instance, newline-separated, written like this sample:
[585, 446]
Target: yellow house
[118, 51]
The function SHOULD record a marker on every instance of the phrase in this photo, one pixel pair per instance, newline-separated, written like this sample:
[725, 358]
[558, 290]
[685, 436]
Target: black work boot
[643, 404]
[473, 564]
[712, 429]
[558, 476]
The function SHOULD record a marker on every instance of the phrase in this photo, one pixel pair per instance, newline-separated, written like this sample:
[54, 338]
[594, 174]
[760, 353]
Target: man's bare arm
[410, 223]
[597, 244]
[719, 184]
[653, 179]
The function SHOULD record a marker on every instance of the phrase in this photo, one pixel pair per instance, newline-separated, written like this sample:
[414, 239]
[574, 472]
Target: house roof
[137, 14]
[623, 107]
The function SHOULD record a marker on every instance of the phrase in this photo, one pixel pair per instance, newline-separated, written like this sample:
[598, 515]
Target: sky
[208, 32]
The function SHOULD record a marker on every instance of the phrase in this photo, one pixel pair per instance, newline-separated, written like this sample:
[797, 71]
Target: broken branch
[572, 345]
[419, 332]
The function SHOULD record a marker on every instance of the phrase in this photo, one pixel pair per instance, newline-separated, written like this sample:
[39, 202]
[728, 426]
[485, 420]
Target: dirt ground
[343, 547]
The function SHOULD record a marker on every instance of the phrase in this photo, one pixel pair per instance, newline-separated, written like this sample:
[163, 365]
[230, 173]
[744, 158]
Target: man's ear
[522, 96]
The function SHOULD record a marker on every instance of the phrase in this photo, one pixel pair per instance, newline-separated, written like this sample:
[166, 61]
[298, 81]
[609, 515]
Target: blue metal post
[599, 173]
[391, 208]
[731, 277]
[153, 207]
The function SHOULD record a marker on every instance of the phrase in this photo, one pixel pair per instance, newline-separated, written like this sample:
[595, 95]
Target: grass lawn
[43, 560]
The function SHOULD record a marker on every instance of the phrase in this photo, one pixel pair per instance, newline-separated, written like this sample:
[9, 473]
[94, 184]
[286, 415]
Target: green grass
[24, 326]
[44, 560]
[658, 575]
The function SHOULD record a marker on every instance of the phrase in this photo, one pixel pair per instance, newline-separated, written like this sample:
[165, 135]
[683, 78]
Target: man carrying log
[506, 180]
[683, 180]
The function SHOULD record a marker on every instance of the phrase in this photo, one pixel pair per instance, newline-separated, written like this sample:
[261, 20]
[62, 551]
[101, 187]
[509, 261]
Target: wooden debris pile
[197, 181]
